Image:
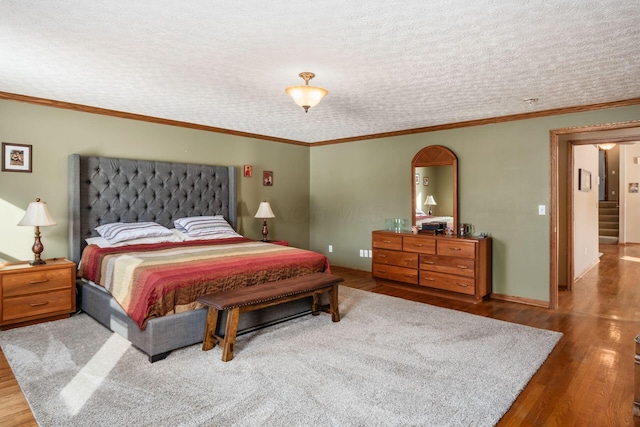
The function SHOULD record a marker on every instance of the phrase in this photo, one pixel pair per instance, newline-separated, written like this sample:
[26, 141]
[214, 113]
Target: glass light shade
[37, 215]
[264, 211]
[430, 201]
[306, 96]
[607, 146]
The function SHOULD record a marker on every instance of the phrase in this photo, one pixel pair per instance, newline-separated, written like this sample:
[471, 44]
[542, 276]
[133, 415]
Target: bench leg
[334, 308]
[209, 340]
[315, 305]
[230, 334]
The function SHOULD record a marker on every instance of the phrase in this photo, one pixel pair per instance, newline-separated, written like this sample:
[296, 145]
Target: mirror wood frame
[435, 155]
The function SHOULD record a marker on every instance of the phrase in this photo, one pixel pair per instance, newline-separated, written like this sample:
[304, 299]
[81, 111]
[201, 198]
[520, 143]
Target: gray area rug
[387, 362]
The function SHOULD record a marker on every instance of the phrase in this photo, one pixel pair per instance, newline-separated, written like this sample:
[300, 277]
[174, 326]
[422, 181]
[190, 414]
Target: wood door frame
[554, 201]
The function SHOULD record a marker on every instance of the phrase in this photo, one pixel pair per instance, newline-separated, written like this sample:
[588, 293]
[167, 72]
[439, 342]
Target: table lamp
[37, 215]
[264, 212]
[430, 202]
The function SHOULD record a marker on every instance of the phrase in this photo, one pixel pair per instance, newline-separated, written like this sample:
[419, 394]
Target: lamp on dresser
[37, 215]
[264, 212]
[430, 202]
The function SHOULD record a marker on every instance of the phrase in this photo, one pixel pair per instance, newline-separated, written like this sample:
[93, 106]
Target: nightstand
[36, 293]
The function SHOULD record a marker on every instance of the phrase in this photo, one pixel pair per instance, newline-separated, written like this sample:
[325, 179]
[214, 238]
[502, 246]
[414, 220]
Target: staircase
[608, 219]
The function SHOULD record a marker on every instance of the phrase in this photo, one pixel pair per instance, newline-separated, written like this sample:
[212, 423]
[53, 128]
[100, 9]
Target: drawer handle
[386, 241]
[408, 275]
[382, 256]
[382, 271]
[418, 245]
[40, 304]
[429, 279]
[456, 249]
[428, 262]
[464, 285]
[35, 282]
[464, 267]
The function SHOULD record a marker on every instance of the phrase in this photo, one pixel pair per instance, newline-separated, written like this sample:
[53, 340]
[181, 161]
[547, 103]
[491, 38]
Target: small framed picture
[584, 180]
[248, 171]
[633, 187]
[16, 157]
[425, 181]
[267, 178]
[417, 178]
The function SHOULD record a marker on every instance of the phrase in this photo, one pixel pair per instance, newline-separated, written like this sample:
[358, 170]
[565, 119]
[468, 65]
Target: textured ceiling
[388, 65]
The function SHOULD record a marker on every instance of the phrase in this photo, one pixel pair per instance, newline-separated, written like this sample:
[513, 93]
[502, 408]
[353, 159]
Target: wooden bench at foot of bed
[236, 301]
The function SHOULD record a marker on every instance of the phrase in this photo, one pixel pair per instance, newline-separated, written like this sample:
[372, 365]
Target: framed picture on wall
[634, 187]
[584, 180]
[248, 171]
[16, 157]
[267, 178]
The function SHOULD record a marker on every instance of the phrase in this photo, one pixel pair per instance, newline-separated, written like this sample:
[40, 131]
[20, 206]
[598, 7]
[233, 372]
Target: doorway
[561, 209]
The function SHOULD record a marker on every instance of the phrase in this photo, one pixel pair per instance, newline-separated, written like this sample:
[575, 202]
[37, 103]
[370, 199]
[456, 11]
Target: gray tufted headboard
[104, 190]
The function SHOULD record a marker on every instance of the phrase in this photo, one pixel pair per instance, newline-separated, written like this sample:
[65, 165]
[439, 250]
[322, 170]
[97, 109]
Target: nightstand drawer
[36, 305]
[36, 281]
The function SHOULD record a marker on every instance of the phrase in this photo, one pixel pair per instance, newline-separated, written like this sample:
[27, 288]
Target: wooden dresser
[451, 266]
[36, 293]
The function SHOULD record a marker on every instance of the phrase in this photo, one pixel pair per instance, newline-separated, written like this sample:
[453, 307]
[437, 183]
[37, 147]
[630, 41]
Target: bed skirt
[164, 334]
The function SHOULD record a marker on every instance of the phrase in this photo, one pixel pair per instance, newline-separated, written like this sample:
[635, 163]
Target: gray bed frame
[104, 190]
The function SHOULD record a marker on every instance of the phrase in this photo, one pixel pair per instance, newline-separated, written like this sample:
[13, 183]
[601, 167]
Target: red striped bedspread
[155, 280]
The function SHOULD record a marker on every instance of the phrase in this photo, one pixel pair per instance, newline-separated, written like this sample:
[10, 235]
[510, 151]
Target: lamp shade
[37, 215]
[430, 201]
[264, 211]
[306, 96]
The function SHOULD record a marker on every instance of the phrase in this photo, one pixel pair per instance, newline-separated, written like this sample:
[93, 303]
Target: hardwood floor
[587, 380]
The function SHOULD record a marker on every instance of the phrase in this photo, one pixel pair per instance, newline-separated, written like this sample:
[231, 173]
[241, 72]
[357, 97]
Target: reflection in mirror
[435, 190]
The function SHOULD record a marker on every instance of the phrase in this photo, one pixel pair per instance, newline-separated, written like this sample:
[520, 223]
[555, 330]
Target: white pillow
[117, 232]
[196, 226]
[104, 243]
[212, 236]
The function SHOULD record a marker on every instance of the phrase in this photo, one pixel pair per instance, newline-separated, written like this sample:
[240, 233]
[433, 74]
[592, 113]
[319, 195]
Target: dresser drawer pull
[456, 249]
[464, 285]
[40, 304]
[429, 279]
[408, 275]
[428, 262]
[386, 241]
[382, 271]
[464, 267]
[418, 245]
[382, 256]
[35, 282]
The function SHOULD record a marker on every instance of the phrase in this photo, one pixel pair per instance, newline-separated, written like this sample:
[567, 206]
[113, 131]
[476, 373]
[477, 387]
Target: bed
[110, 190]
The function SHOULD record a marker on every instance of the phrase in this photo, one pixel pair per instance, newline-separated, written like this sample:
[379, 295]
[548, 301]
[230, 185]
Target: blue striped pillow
[122, 231]
[204, 226]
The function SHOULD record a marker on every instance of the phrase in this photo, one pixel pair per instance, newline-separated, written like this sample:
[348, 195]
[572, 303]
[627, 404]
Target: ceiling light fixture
[607, 146]
[306, 96]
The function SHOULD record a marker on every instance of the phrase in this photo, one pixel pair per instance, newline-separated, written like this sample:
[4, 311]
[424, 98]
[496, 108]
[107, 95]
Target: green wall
[503, 175]
[326, 195]
[55, 133]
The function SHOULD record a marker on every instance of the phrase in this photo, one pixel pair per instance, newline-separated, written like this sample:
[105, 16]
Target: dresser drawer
[23, 307]
[455, 247]
[30, 282]
[447, 282]
[399, 274]
[419, 244]
[450, 265]
[401, 259]
[387, 241]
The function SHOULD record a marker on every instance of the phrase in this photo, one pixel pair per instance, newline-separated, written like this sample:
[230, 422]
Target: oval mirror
[434, 190]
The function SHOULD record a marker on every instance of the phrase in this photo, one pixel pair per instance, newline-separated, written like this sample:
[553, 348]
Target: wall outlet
[361, 253]
[370, 253]
[330, 248]
[542, 210]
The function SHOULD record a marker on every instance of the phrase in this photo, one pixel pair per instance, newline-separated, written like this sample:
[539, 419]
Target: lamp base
[37, 262]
